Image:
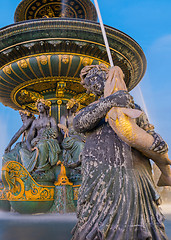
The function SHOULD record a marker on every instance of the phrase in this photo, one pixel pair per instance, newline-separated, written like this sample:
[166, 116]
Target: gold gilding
[65, 59]
[76, 191]
[124, 126]
[43, 59]
[34, 9]
[87, 61]
[23, 63]
[15, 187]
[60, 89]
[62, 177]
[7, 70]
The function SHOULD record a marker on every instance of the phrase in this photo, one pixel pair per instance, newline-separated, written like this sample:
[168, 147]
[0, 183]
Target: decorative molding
[32, 9]
[16, 187]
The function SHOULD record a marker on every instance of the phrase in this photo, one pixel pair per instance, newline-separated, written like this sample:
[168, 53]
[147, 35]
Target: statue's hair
[45, 102]
[28, 113]
[114, 74]
[93, 68]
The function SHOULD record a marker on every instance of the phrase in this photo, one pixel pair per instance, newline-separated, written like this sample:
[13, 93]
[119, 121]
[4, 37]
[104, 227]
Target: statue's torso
[41, 125]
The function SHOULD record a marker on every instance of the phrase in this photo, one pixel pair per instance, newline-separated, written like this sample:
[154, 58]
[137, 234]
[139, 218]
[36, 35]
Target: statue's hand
[114, 75]
[65, 129]
[159, 145]
[72, 165]
[7, 149]
[66, 164]
[62, 126]
[66, 133]
[29, 148]
[108, 89]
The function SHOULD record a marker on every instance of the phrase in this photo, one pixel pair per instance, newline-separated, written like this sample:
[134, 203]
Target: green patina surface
[63, 202]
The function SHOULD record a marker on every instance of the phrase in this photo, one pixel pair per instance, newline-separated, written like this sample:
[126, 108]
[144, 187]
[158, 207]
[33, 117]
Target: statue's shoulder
[52, 118]
[28, 123]
[52, 122]
[35, 122]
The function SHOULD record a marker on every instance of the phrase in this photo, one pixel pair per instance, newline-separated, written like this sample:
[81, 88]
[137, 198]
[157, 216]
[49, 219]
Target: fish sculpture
[123, 122]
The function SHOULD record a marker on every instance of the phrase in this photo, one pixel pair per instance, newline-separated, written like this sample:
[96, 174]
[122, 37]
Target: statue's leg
[76, 150]
[42, 162]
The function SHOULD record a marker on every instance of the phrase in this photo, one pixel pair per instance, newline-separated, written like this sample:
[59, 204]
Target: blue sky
[148, 22]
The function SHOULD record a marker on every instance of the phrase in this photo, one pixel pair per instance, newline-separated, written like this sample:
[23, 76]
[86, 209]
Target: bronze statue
[117, 199]
[13, 155]
[122, 121]
[42, 145]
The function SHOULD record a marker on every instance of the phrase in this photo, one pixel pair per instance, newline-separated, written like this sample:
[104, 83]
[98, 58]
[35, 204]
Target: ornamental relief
[20, 186]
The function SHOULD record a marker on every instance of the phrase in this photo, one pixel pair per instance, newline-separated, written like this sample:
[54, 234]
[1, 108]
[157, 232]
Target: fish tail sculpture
[122, 121]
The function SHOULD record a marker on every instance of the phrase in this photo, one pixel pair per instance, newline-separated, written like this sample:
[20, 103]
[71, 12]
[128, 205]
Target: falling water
[143, 101]
[138, 97]
[63, 8]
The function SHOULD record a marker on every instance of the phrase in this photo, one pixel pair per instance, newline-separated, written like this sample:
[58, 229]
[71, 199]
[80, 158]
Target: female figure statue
[13, 155]
[42, 145]
[117, 199]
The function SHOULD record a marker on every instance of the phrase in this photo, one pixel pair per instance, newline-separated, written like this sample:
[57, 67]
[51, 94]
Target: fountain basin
[37, 227]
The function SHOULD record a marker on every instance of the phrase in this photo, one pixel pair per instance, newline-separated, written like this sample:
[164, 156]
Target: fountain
[41, 56]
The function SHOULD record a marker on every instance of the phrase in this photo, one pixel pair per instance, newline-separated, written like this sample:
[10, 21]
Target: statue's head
[25, 115]
[93, 78]
[73, 105]
[43, 105]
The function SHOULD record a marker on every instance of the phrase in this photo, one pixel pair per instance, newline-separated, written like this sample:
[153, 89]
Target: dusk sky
[148, 22]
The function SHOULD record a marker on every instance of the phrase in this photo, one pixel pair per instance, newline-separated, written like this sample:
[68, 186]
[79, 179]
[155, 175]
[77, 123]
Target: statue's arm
[63, 120]
[30, 136]
[24, 127]
[159, 145]
[91, 115]
[63, 126]
[54, 126]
